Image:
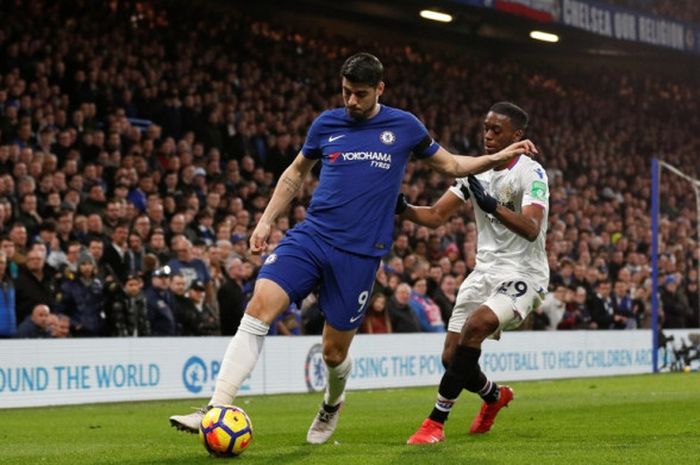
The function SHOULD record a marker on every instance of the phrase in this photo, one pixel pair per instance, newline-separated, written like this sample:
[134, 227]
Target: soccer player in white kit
[511, 204]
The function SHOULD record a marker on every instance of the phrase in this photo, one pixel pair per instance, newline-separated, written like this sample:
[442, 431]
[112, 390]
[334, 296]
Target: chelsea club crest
[315, 373]
[387, 137]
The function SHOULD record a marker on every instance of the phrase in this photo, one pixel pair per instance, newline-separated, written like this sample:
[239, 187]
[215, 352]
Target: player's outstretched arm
[287, 187]
[436, 214]
[460, 166]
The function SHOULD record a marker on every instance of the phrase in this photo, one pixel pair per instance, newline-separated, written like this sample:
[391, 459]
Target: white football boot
[323, 426]
[189, 423]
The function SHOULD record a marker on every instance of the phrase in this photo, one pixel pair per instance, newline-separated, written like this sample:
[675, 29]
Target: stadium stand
[140, 135]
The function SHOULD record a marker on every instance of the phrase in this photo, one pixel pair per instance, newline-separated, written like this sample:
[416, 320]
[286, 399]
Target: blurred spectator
[377, 319]
[94, 203]
[29, 214]
[96, 249]
[205, 223]
[312, 319]
[445, 296]
[288, 323]
[676, 310]
[602, 307]
[178, 227]
[156, 246]
[34, 285]
[59, 326]
[554, 306]
[625, 317]
[403, 318]
[184, 263]
[564, 276]
[7, 246]
[8, 315]
[536, 321]
[117, 259]
[81, 298]
[142, 227]
[381, 282]
[136, 253]
[18, 235]
[125, 308]
[159, 303]
[66, 262]
[64, 228]
[426, 309]
[577, 315]
[112, 216]
[230, 297]
[641, 309]
[93, 228]
[180, 300]
[195, 317]
[35, 325]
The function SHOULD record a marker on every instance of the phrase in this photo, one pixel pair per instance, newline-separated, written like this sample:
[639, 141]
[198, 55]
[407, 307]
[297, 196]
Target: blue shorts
[301, 261]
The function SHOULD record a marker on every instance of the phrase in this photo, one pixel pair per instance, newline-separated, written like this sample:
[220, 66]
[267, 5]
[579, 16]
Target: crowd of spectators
[140, 143]
[682, 10]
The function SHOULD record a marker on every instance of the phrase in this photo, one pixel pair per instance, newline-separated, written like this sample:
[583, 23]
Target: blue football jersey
[363, 164]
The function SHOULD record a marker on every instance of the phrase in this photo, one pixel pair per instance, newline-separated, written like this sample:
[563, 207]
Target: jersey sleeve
[423, 144]
[535, 187]
[312, 144]
[460, 188]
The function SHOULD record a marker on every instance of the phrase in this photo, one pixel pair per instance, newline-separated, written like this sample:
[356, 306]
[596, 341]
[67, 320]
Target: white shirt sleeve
[535, 187]
[460, 188]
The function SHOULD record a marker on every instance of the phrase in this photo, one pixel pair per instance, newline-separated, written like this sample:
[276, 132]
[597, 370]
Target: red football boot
[484, 419]
[429, 432]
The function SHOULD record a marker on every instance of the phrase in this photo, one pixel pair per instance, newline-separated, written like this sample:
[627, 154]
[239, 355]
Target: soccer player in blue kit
[364, 148]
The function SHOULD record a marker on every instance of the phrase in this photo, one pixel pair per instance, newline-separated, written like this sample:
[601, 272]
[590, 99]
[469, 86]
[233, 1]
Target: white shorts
[510, 298]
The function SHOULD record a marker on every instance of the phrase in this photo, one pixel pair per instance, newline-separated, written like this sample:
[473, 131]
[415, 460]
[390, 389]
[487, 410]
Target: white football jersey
[499, 249]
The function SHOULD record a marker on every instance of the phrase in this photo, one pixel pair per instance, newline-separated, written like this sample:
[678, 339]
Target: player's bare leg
[335, 353]
[269, 300]
[451, 342]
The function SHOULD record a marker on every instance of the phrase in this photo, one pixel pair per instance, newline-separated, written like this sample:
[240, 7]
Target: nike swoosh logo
[355, 318]
[335, 138]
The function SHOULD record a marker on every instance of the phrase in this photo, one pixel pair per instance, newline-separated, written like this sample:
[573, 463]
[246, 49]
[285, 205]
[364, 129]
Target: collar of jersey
[512, 163]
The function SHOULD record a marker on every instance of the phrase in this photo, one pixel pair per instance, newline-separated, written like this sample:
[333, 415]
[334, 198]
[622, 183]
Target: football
[226, 430]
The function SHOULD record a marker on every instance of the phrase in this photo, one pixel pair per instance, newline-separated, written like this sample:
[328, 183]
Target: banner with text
[620, 23]
[603, 19]
[54, 372]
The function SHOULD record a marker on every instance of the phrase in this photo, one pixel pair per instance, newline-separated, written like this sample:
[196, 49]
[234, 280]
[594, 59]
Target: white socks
[240, 358]
[337, 377]
[242, 355]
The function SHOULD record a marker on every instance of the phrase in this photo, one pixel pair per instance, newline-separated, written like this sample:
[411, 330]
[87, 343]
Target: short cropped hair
[363, 68]
[518, 117]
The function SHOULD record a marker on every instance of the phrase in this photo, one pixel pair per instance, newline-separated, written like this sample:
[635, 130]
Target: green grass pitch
[632, 419]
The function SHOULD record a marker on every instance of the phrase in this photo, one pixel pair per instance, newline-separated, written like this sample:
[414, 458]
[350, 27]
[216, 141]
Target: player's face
[361, 99]
[499, 132]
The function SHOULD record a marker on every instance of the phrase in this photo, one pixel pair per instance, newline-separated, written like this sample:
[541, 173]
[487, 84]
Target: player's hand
[481, 197]
[401, 204]
[258, 240]
[523, 147]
